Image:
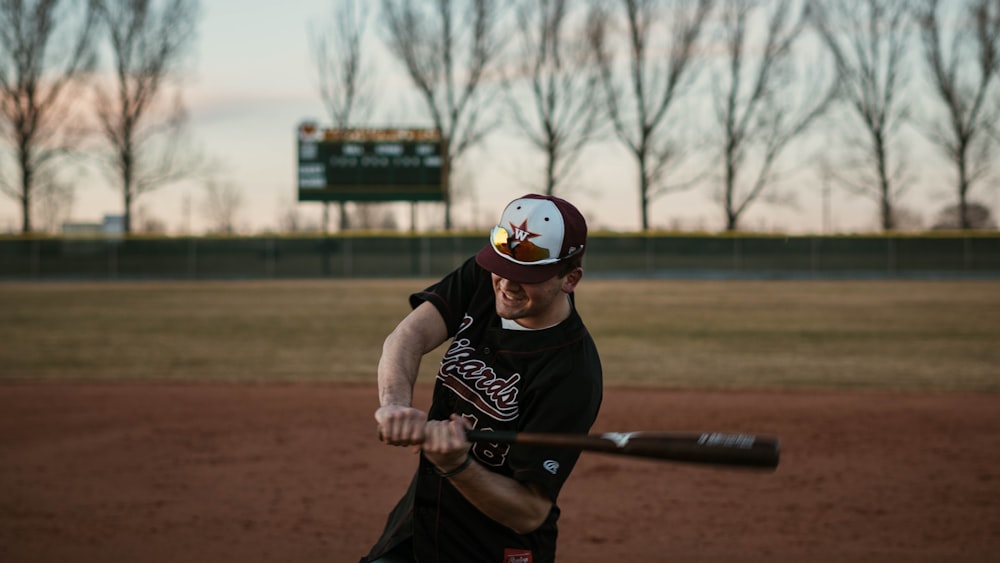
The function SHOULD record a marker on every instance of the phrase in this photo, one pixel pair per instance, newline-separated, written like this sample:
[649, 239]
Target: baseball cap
[536, 234]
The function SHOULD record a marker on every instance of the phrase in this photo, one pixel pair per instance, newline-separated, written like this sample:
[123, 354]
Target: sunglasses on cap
[525, 253]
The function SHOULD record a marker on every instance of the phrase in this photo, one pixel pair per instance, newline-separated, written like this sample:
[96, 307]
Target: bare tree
[149, 40]
[976, 216]
[761, 104]
[46, 47]
[374, 217]
[54, 202]
[146, 222]
[907, 219]
[555, 66]
[963, 69]
[223, 200]
[290, 219]
[653, 81]
[869, 40]
[448, 47]
[345, 73]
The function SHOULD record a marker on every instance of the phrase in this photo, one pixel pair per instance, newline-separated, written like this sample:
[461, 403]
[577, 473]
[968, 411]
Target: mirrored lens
[521, 251]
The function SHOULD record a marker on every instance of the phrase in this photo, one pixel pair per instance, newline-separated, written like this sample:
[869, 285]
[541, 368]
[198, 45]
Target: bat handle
[494, 436]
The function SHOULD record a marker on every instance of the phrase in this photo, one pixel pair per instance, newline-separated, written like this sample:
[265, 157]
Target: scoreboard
[370, 164]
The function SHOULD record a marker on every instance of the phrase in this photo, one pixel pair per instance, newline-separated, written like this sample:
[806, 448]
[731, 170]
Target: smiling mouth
[511, 298]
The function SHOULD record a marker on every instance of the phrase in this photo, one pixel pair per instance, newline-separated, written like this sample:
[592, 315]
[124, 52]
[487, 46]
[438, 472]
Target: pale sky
[252, 80]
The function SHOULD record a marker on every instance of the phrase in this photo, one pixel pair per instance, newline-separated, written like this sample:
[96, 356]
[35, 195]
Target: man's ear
[571, 279]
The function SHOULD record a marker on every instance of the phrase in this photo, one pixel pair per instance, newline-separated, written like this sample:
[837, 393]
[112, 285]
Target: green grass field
[900, 335]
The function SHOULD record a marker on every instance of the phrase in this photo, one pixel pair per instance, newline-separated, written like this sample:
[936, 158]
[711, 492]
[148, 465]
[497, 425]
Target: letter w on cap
[521, 235]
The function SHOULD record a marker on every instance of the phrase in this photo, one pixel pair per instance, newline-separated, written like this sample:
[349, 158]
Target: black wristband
[446, 474]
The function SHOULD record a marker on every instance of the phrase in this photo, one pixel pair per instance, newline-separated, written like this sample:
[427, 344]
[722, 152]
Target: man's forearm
[396, 378]
[518, 506]
[416, 335]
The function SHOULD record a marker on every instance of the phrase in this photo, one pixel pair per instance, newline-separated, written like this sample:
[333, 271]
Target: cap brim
[493, 262]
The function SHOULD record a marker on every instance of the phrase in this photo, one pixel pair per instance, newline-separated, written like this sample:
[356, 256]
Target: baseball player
[520, 359]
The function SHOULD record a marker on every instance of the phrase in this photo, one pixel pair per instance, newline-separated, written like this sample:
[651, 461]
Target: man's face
[535, 305]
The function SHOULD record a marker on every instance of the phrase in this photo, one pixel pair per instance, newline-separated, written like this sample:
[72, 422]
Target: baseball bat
[714, 448]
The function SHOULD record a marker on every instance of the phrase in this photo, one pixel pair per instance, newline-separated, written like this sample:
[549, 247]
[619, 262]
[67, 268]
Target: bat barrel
[745, 450]
[711, 448]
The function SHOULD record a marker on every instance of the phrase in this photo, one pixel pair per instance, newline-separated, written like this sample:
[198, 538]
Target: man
[520, 359]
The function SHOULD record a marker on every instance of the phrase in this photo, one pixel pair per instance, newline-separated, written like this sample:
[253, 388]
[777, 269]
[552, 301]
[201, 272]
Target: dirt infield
[262, 473]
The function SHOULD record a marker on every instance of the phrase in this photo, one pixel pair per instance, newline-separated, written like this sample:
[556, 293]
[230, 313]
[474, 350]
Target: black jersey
[547, 380]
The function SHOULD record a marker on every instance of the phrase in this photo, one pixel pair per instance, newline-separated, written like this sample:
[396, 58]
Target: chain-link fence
[343, 256]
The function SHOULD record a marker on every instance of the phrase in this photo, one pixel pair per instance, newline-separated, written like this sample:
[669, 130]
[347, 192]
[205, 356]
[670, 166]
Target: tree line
[713, 94]
[56, 107]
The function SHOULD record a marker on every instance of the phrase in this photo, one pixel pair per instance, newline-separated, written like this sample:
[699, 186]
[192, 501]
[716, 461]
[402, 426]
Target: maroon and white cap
[536, 234]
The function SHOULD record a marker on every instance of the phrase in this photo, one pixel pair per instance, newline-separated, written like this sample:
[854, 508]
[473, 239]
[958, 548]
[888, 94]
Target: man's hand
[401, 425]
[445, 444]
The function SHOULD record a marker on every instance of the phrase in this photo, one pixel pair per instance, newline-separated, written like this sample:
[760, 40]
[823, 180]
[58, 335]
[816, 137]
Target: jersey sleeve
[453, 294]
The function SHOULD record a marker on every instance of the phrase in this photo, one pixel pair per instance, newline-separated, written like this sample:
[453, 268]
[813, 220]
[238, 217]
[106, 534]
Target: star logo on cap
[520, 234]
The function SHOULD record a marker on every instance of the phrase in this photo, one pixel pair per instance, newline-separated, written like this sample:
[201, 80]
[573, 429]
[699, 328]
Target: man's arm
[418, 333]
[522, 507]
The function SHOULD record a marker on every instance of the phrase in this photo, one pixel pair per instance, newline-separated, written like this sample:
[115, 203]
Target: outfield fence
[380, 256]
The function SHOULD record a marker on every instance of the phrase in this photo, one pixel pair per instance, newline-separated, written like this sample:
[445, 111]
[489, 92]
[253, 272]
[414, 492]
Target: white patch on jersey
[552, 466]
